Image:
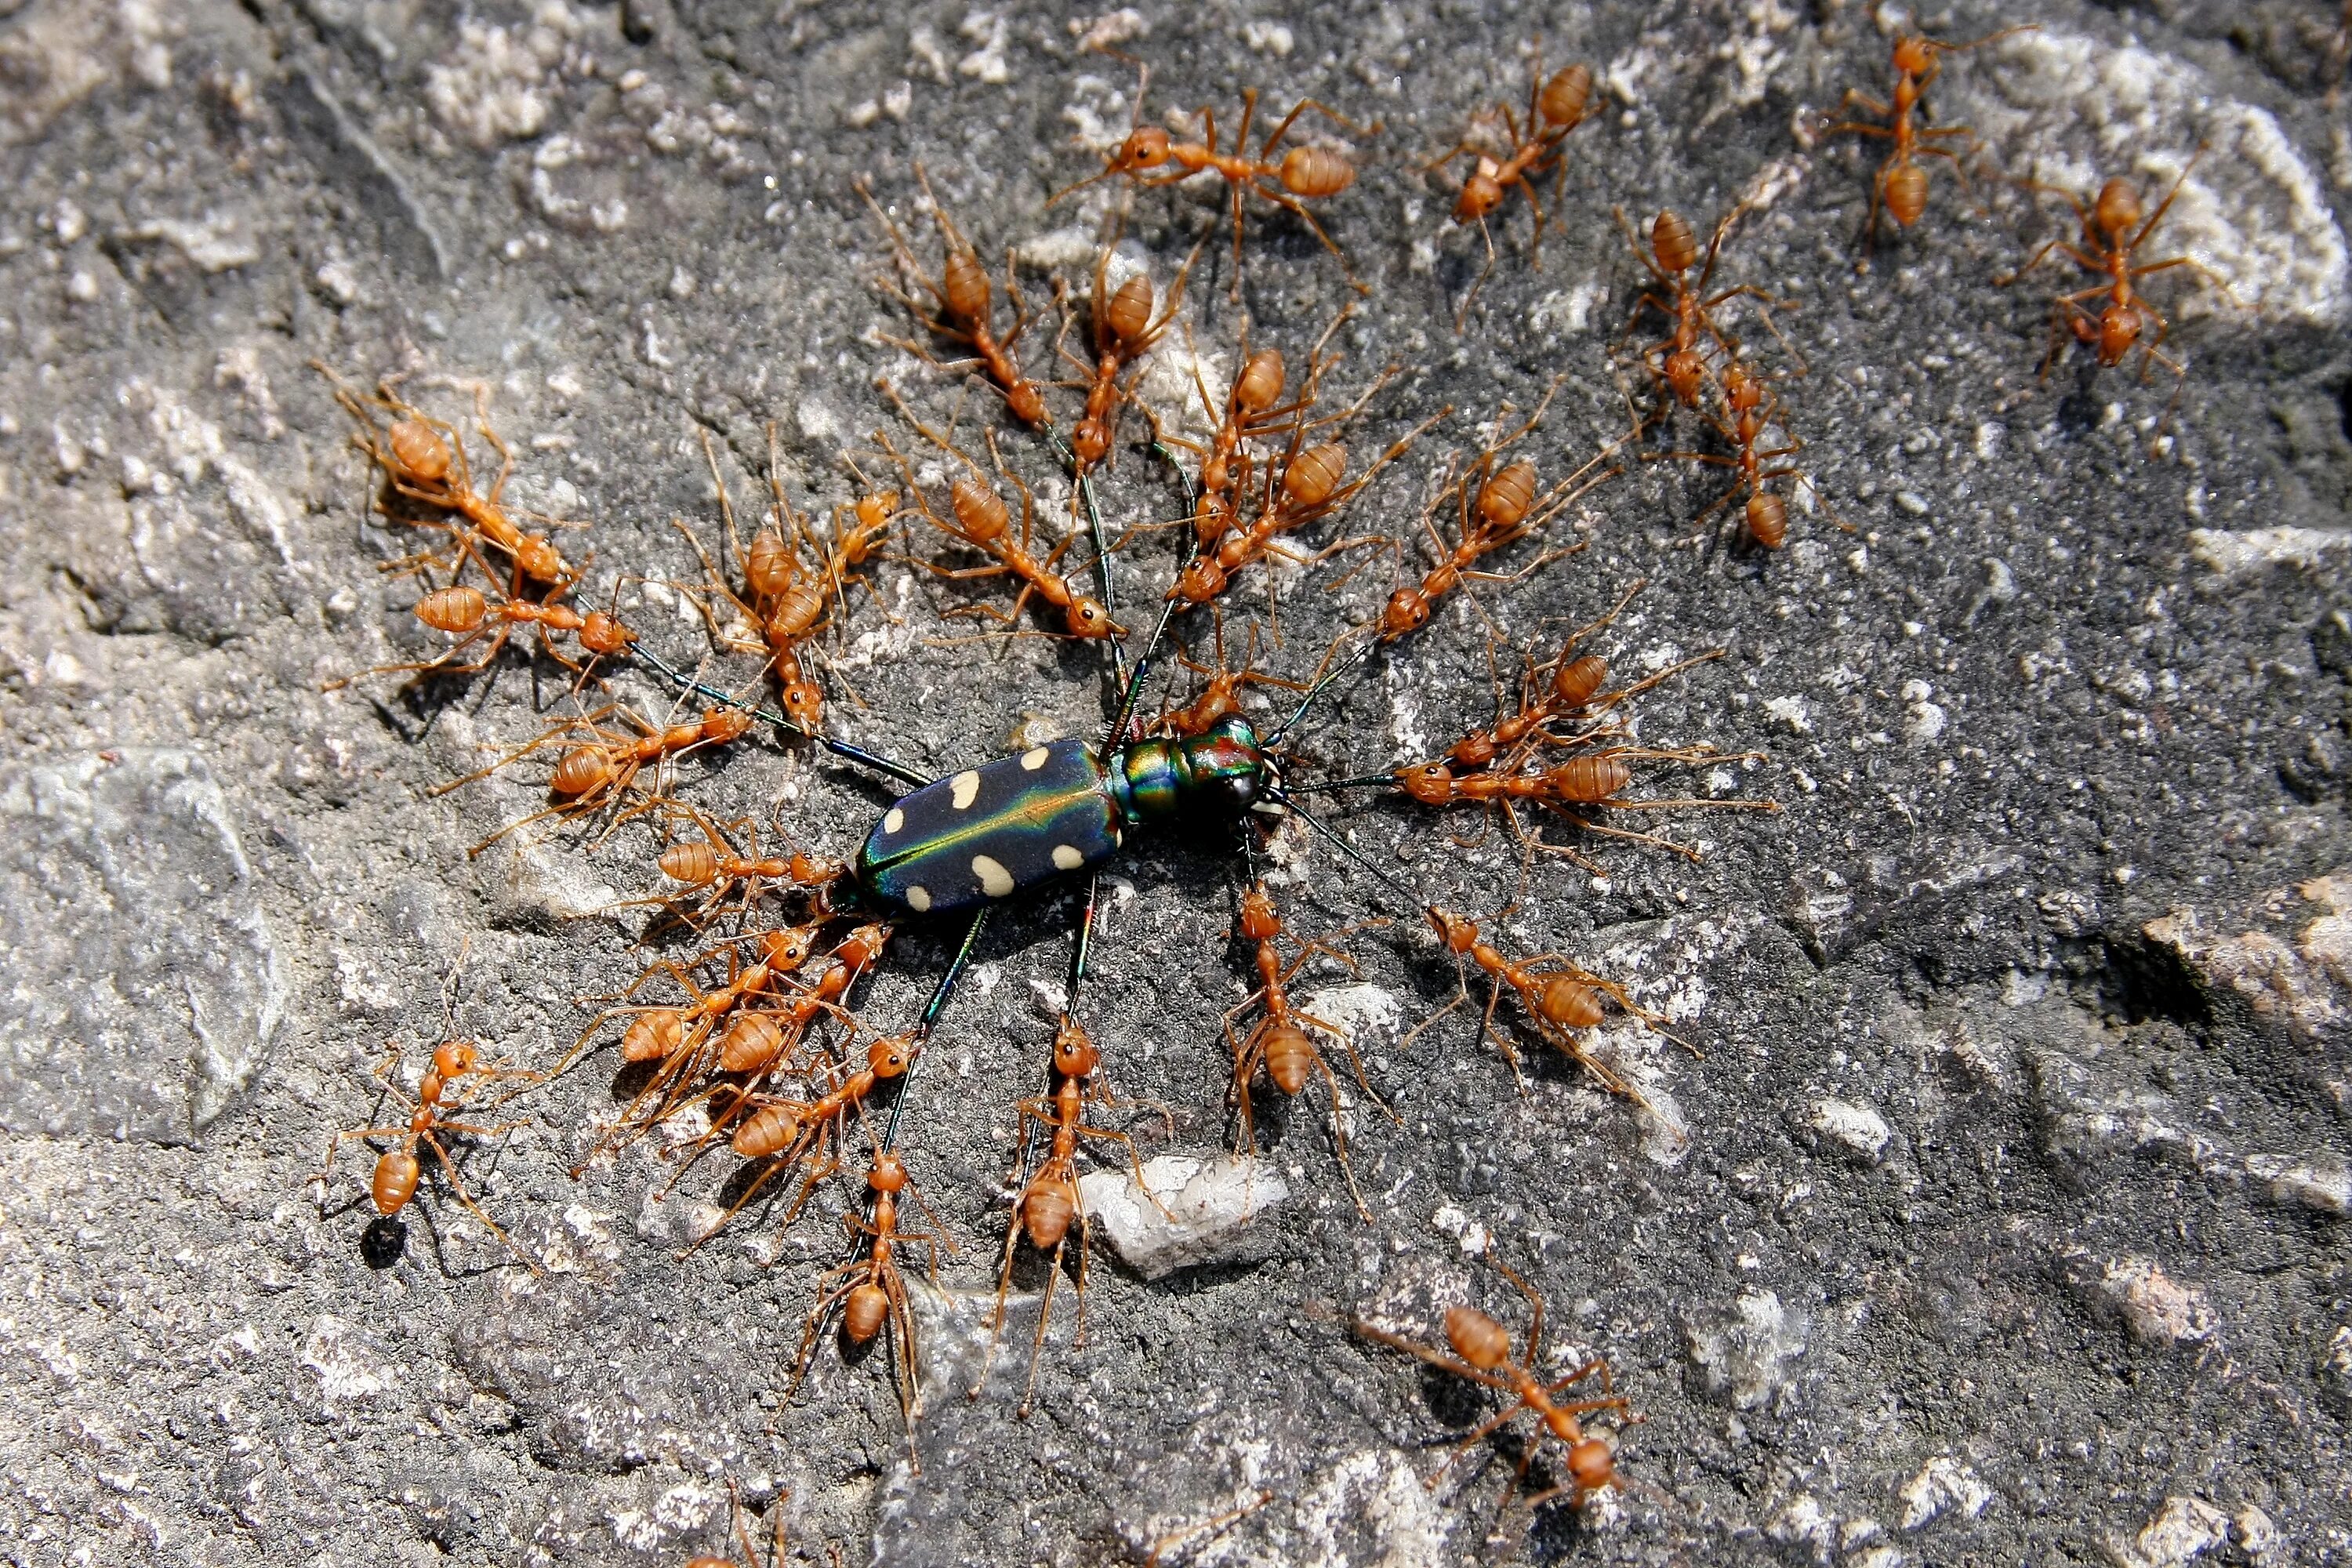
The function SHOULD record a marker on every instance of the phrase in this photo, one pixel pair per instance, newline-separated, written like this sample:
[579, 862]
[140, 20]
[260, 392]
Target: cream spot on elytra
[964, 789]
[1066, 857]
[994, 879]
[918, 897]
[1035, 758]
[894, 820]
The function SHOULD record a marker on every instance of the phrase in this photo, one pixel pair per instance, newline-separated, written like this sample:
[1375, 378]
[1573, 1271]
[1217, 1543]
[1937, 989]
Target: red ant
[983, 522]
[1220, 696]
[1124, 331]
[787, 1133]
[1049, 1200]
[1754, 408]
[466, 612]
[1555, 108]
[1560, 996]
[1279, 1042]
[1313, 173]
[962, 295]
[786, 607]
[1677, 363]
[397, 1171]
[598, 772]
[424, 460]
[1250, 409]
[1900, 185]
[1482, 1353]
[2113, 232]
[1565, 686]
[713, 866]
[1506, 511]
[870, 1289]
[1308, 487]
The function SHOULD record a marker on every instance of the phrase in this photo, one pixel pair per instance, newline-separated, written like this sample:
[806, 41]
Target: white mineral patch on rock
[1748, 1351]
[2157, 1308]
[1206, 1198]
[2259, 549]
[2270, 975]
[349, 1368]
[1377, 1492]
[2324, 1185]
[491, 86]
[1943, 1486]
[1363, 1012]
[2184, 1528]
[1859, 1128]
[2074, 111]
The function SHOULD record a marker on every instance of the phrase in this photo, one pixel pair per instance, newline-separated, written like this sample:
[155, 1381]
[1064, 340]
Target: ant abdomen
[394, 1183]
[453, 609]
[1316, 171]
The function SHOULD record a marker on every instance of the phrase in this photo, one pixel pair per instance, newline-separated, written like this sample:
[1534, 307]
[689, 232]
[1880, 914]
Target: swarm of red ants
[747, 1043]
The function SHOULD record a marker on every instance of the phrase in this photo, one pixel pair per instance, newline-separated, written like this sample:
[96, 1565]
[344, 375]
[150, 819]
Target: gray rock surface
[1999, 1215]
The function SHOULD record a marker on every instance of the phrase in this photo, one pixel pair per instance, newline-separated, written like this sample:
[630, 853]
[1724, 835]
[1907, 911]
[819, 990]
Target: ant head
[804, 703]
[1592, 1464]
[455, 1057]
[1477, 1338]
[1260, 920]
[1913, 55]
[538, 560]
[1458, 934]
[1480, 195]
[890, 1057]
[1028, 404]
[600, 633]
[888, 1172]
[1146, 147]
[787, 949]
[1091, 439]
[1407, 611]
[1431, 784]
[2119, 328]
[1074, 1055]
[1089, 617]
[2118, 208]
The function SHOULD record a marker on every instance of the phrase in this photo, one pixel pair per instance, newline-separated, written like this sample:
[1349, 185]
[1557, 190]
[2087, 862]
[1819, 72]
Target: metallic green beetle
[996, 830]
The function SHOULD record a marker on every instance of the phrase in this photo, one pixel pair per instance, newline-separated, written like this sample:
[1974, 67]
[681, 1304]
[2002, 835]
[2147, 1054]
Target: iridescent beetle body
[1018, 822]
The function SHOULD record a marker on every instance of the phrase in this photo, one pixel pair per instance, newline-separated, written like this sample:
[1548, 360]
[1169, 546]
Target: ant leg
[1285, 199]
[1322, 109]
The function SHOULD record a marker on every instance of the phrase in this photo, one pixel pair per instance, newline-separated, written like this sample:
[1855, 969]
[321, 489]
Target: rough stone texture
[1999, 1215]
